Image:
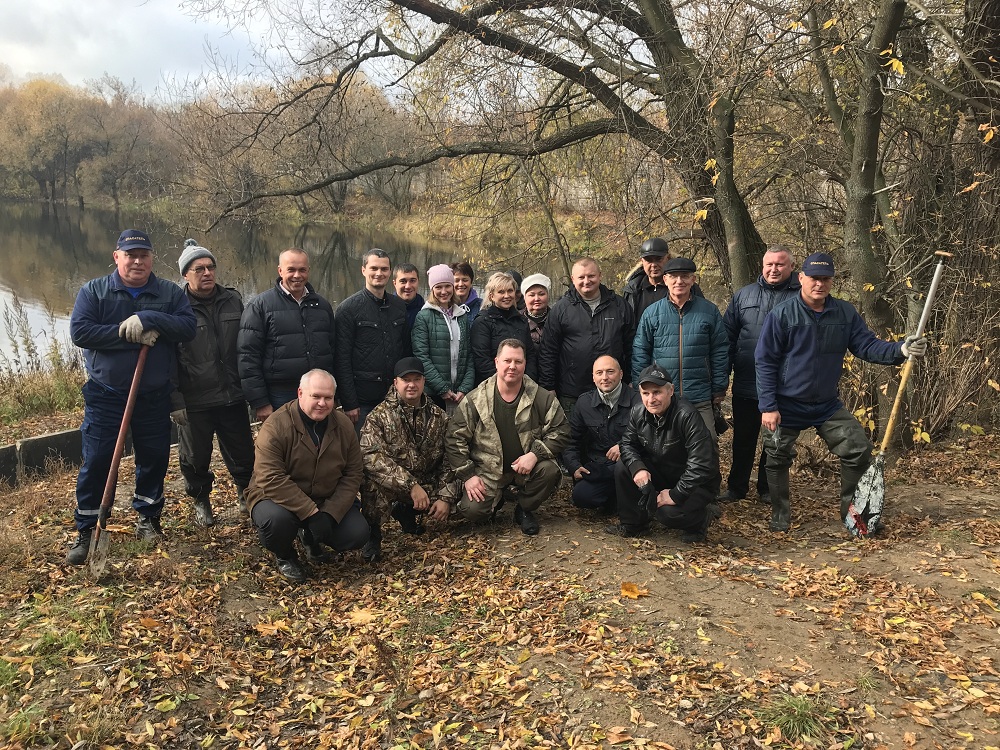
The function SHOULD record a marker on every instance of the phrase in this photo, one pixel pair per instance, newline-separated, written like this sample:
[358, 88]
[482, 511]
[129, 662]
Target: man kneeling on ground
[402, 444]
[596, 426]
[306, 477]
[504, 437]
[669, 464]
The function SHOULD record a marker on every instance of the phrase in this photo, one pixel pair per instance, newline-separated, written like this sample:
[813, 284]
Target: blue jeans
[102, 418]
[279, 396]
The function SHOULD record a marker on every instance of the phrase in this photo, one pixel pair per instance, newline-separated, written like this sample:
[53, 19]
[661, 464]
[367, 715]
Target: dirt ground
[482, 637]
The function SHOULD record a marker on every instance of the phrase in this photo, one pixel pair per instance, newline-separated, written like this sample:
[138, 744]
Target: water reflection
[46, 255]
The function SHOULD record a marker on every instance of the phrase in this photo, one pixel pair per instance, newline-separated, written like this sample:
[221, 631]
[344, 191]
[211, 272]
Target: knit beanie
[192, 251]
[440, 274]
[536, 279]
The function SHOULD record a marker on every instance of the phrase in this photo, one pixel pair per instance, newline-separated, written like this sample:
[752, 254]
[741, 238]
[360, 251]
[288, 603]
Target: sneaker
[77, 554]
[291, 569]
[314, 550]
[526, 519]
[147, 529]
[729, 497]
[409, 522]
[620, 529]
[700, 534]
[203, 512]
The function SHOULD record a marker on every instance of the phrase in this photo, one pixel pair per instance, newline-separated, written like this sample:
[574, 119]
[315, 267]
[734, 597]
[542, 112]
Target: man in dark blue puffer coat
[743, 319]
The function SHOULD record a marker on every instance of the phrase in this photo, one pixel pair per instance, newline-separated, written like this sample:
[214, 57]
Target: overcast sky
[147, 41]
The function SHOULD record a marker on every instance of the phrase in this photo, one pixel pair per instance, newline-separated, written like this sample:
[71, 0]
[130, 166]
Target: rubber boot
[849, 478]
[372, 551]
[781, 508]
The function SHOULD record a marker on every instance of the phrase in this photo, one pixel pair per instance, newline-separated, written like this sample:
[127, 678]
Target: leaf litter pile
[481, 637]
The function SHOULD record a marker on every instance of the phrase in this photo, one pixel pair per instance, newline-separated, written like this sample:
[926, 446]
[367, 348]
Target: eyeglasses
[202, 270]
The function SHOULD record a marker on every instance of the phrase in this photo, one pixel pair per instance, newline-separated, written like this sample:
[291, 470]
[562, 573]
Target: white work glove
[179, 417]
[131, 329]
[912, 345]
[148, 338]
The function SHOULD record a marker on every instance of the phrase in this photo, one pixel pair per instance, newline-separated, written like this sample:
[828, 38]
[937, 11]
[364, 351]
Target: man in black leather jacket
[669, 465]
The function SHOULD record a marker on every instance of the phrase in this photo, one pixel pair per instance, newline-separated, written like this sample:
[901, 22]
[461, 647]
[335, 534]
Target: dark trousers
[746, 430]
[363, 411]
[637, 506]
[277, 527]
[102, 418]
[596, 489]
[281, 396]
[232, 424]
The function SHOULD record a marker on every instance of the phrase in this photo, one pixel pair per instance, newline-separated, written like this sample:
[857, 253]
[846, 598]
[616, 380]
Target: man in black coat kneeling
[669, 465]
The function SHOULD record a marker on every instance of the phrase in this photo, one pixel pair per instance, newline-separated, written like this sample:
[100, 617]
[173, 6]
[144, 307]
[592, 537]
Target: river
[46, 255]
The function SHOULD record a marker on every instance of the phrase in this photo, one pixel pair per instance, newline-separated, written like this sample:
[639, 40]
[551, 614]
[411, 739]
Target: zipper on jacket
[680, 351]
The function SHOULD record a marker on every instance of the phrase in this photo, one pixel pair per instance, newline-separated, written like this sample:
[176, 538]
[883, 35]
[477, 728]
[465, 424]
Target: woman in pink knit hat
[441, 341]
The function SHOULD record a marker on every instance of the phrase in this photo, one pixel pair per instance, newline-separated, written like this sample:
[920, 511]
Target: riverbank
[482, 637]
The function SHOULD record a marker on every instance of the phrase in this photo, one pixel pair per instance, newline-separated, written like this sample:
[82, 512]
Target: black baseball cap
[656, 375]
[408, 366]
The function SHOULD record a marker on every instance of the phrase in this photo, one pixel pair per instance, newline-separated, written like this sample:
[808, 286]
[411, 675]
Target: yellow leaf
[993, 384]
[838, 48]
[969, 188]
[701, 214]
[710, 164]
[367, 701]
[923, 720]
[149, 730]
[360, 616]
[897, 66]
[965, 736]
[831, 22]
[977, 693]
[618, 735]
[631, 591]
[868, 287]
[989, 135]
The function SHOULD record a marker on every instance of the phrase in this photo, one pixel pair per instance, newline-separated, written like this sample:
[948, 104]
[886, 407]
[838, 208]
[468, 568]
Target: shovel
[100, 540]
[865, 510]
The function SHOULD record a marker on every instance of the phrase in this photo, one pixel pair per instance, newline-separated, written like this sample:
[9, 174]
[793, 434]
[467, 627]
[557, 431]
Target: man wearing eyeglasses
[209, 398]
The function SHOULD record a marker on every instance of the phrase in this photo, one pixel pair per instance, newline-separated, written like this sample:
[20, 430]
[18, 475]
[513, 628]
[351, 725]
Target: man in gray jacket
[208, 399]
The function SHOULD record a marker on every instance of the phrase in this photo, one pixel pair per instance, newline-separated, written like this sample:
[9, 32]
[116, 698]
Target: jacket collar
[790, 283]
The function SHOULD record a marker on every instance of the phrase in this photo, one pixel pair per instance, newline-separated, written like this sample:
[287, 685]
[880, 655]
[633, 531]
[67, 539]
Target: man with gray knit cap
[208, 400]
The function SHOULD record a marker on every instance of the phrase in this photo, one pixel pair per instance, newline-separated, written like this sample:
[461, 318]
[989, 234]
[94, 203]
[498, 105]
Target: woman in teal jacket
[441, 341]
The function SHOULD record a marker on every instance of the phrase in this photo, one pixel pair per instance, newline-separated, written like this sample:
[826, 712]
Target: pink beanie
[440, 274]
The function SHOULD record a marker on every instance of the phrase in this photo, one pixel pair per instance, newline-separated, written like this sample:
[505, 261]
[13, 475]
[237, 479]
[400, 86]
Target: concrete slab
[33, 453]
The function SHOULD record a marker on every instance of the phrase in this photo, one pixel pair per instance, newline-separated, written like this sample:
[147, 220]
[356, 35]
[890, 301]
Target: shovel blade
[100, 545]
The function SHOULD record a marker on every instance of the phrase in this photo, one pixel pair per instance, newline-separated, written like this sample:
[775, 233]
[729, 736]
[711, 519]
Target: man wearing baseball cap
[113, 318]
[402, 445]
[800, 357]
[669, 465]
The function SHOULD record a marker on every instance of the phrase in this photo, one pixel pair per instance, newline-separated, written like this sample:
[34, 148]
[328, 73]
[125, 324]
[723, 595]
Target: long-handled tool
[100, 540]
[865, 511]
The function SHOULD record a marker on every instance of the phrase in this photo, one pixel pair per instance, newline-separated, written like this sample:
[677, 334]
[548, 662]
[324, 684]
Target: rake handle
[908, 366]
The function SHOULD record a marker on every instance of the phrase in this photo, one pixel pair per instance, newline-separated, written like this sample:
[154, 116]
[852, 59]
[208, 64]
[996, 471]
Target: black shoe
[764, 498]
[527, 521]
[729, 497]
[372, 551]
[147, 529]
[314, 550]
[241, 499]
[203, 515]
[77, 554]
[291, 569]
[608, 509]
[620, 529]
[409, 522]
[700, 534]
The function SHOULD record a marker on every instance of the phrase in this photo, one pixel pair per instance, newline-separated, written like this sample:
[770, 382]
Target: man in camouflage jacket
[402, 445]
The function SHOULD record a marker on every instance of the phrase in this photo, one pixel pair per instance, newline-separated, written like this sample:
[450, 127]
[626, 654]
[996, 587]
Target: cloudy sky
[149, 41]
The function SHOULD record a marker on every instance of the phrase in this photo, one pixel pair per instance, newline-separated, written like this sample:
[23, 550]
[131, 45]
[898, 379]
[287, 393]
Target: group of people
[459, 404]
